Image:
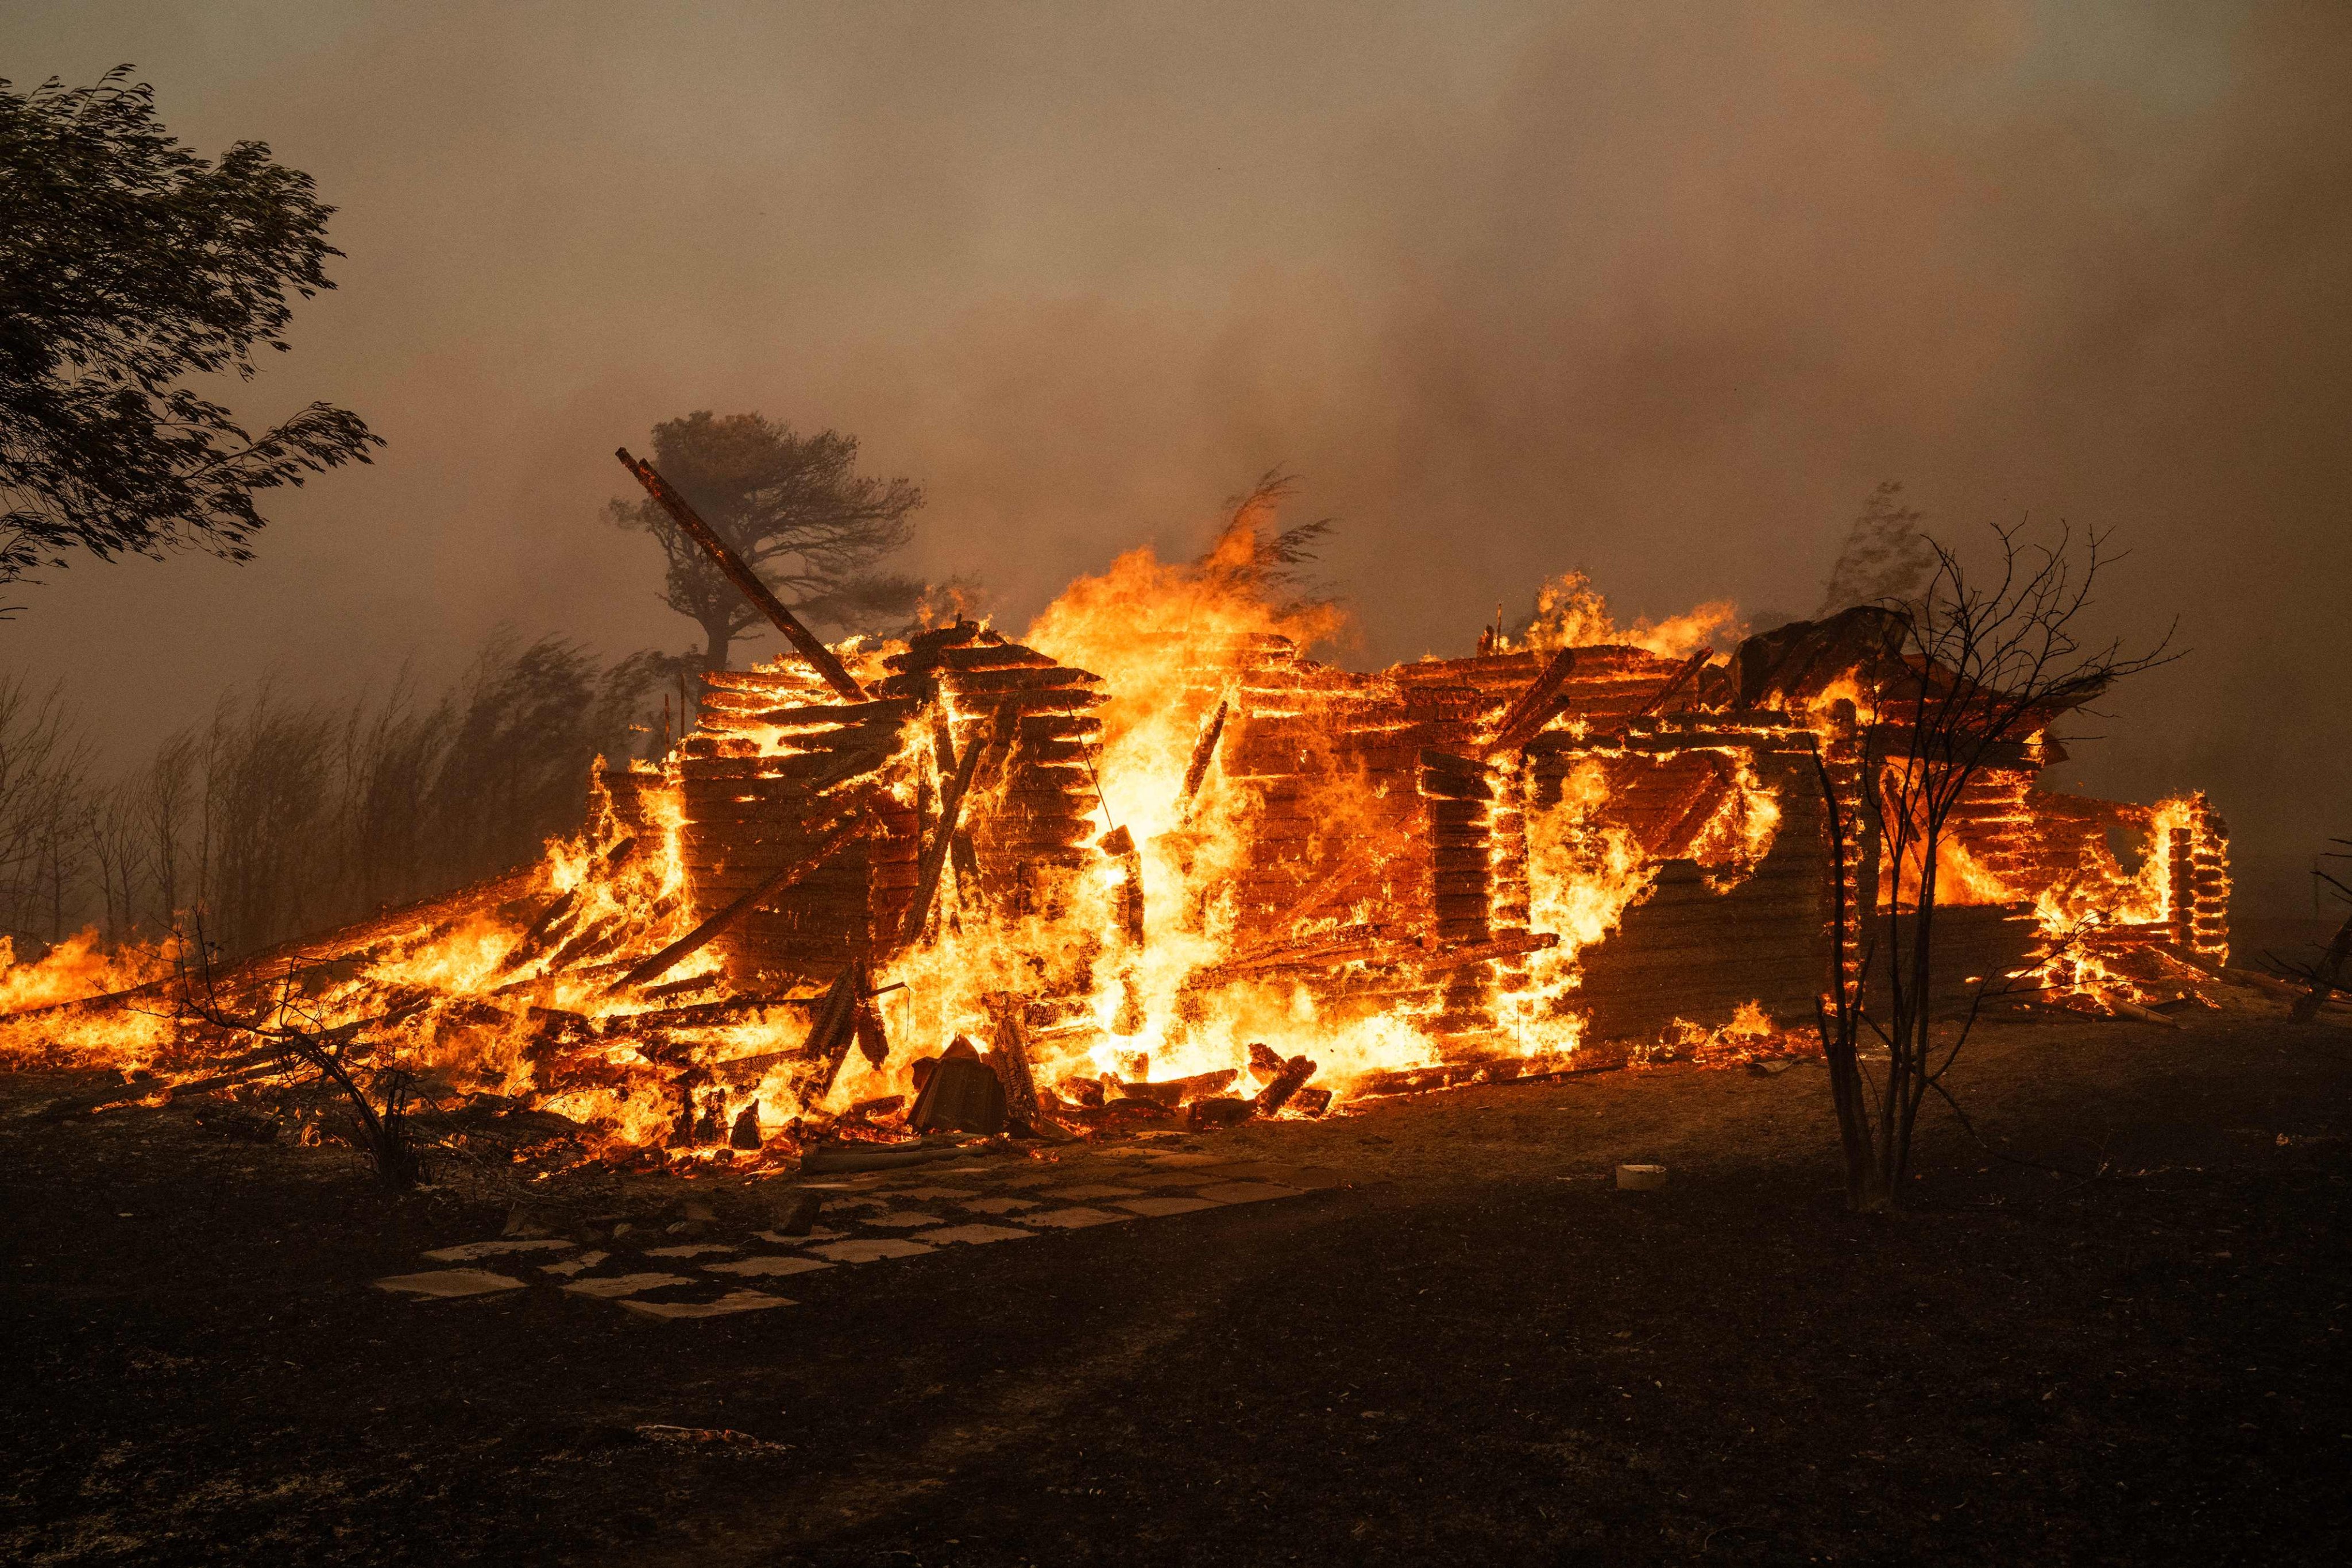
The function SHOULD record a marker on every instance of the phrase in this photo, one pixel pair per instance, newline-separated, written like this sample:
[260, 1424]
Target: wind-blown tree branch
[128, 265]
[1969, 673]
[796, 510]
[1251, 553]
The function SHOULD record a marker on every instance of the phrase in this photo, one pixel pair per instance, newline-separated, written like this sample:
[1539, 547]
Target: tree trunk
[716, 636]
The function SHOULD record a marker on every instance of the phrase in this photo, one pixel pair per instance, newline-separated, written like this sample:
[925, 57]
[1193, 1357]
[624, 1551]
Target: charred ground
[1473, 1349]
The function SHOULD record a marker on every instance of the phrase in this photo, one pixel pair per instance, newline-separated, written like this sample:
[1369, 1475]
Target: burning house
[1170, 870]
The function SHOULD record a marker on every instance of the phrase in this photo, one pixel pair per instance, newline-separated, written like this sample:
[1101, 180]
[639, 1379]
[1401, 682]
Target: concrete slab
[695, 1249]
[616, 1285]
[976, 1235]
[734, 1301]
[898, 1219]
[766, 1267]
[1247, 1191]
[1094, 1190]
[445, 1283]
[921, 1194]
[571, 1266]
[997, 1205]
[1153, 1208]
[870, 1250]
[1072, 1218]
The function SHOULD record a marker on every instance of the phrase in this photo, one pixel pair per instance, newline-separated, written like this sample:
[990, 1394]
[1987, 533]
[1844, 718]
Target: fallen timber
[407, 923]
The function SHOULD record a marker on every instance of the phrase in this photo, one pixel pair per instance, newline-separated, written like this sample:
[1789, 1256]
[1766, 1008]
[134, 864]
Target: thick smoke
[1658, 292]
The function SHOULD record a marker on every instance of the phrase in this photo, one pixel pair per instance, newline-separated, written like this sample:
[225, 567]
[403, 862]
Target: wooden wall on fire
[776, 755]
[1710, 933]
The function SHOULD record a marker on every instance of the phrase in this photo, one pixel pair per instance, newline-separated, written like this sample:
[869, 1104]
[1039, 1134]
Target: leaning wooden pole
[1204, 752]
[835, 674]
[935, 854]
[1691, 667]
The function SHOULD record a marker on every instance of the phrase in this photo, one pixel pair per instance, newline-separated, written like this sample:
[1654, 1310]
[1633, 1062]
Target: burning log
[1517, 944]
[1009, 1059]
[873, 1043]
[831, 1035]
[541, 932]
[1691, 667]
[686, 987]
[599, 939]
[1343, 944]
[706, 1015]
[237, 1069]
[1204, 752]
[1543, 698]
[819, 656]
[364, 940]
[1288, 1082]
[1120, 845]
[1445, 1075]
[1175, 1091]
[2337, 996]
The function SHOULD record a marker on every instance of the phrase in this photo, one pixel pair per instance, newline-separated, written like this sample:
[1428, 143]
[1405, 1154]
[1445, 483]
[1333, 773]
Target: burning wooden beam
[1204, 752]
[952, 797]
[811, 646]
[1535, 707]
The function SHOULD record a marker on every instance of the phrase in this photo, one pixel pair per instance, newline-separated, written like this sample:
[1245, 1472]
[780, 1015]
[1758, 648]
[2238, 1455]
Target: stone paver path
[871, 1218]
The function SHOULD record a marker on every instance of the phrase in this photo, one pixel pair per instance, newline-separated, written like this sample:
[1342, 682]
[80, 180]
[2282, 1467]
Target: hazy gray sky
[1659, 292]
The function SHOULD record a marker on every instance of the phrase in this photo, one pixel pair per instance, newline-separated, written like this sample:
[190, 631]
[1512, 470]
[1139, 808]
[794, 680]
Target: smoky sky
[1656, 291]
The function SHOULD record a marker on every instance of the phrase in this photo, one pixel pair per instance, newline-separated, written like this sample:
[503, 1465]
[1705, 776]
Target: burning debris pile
[1156, 869]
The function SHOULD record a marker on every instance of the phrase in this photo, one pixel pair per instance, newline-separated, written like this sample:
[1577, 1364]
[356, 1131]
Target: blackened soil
[1477, 1350]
